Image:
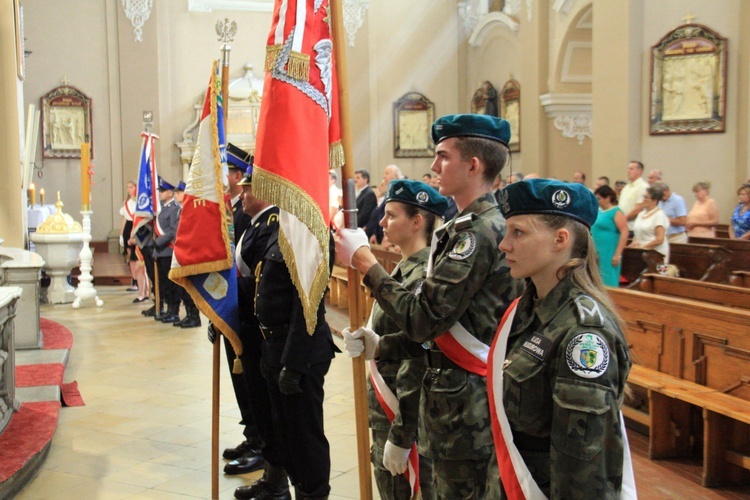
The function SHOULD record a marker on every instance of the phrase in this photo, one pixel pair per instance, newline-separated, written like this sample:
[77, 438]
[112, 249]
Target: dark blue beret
[164, 185]
[180, 186]
[487, 127]
[417, 193]
[548, 196]
[238, 158]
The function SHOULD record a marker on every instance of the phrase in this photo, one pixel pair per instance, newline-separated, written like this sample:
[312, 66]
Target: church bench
[740, 278]
[673, 404]
[715, 293]
[386, 258]
[704, 343]
[703, 262]
[339, 293]
[740, 251]
[636, 261]
[722, 231]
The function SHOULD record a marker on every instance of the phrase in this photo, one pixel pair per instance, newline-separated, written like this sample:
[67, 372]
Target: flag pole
[226, 32]
[355, 295]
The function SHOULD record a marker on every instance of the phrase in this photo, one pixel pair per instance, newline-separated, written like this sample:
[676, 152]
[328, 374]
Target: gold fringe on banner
[289, 197]
[298, 66]
[336, 155]
[272, 52]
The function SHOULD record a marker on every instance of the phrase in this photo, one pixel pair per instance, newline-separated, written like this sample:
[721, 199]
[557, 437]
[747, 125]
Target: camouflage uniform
[565, 370]
[402, 364]
[471, 284]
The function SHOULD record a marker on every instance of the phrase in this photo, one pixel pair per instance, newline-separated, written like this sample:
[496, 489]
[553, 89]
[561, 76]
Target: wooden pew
[694, 261]
[740, 278]
[670, 418]
[636, 261]
[722, 230]
[714, 293]
[740, 257]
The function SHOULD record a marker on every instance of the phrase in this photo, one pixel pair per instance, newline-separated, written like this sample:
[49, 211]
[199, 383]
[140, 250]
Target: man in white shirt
[631, 196]
[334, 192]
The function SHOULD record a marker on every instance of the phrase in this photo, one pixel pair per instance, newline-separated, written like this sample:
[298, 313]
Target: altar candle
[41, 196]
[32, 194]
[85, 179]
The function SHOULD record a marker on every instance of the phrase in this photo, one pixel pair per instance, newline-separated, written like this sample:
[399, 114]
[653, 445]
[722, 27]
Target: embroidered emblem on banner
[587, 355]
[560, 199]
[538, 346]
[216, 286]
[464, 247]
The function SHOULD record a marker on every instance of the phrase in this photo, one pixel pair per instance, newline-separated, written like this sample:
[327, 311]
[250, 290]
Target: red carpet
[29, 430]
[70, 395]
[35, 375]
[54, 335]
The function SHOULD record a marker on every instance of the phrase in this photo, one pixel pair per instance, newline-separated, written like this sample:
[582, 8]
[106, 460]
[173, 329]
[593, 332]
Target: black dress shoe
[179, 322]
[150, 312]
[260, 490]
[243, 465]
[169, 318]
[239, 451]
[191, 322]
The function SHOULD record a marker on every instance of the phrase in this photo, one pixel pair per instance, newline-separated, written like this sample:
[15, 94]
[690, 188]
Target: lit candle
[41, 196]
[85, 178]
[32, 194]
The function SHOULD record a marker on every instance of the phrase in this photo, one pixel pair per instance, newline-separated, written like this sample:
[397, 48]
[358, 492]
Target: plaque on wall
[510, 109]
[688, 82]
[413, 115]
[66, 123]
[484, 100]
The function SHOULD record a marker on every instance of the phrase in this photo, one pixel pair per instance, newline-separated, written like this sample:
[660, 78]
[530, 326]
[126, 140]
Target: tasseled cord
[237, 366]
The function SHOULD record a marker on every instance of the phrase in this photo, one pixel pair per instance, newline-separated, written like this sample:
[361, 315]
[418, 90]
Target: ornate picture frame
[66, 123]
[484, 100]
[413, 115]
[510, 109]
[688, 82]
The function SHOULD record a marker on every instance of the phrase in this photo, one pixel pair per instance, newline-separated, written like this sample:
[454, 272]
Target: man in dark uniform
[248, 255]
[166, 230]
[192, 317]
[245, 457]
[367, 200]
[294, 364]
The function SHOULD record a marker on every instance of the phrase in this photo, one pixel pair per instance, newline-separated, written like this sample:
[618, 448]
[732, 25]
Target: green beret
[548, 196]
[417, 193]
[487, 127]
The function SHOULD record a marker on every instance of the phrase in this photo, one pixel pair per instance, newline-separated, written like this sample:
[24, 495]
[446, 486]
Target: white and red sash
[128, 210]
[516, 478]
[464, 349]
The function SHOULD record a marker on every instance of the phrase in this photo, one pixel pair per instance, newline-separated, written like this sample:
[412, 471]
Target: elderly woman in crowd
[650, 227]
[739, 228]
[703, 217]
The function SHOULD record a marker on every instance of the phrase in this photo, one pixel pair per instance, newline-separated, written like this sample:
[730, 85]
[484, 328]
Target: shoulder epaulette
[589, 312]
[272, 218]
[464, 222]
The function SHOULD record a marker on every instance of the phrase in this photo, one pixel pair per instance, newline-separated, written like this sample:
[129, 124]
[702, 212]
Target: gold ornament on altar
[59, 223]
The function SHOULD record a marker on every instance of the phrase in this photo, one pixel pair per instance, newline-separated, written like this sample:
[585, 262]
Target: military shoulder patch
[587, 355]
[464, 247]
[589, 313]
[464, 222]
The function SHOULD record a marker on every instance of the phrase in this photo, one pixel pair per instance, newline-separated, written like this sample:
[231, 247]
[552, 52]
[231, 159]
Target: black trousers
[298, 427]
[148, 261]
[186, 298]
[242, 395]
[169, 291]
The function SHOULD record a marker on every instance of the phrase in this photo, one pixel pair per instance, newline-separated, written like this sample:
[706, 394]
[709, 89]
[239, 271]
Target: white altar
[23, 269]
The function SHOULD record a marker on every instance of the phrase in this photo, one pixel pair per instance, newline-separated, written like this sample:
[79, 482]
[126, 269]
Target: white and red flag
[299, 140]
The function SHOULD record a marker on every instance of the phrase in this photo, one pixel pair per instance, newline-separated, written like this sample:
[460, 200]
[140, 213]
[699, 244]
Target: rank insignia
[464, 247]
[587, 355]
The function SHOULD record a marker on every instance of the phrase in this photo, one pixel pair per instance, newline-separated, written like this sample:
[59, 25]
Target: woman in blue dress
[610, 233]
[739, 228]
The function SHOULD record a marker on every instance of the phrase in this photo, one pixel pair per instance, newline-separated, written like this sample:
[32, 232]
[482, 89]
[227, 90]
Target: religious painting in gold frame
[688, 82]
[66, 123]
[413, 115]
[484, 100]
[510, 109]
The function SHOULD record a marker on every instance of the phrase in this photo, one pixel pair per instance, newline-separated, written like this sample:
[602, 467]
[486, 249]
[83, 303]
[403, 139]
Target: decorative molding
[563, 6]
[137, 11]
[232, 5]
[354, 16]
[566, 76]
[529, 5]
[571, 114]
[486, 24]
[586, 22]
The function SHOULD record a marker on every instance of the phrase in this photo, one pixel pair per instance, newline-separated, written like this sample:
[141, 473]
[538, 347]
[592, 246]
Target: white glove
[395, 458]
[362, 339]
[350, 240]
[122, 243]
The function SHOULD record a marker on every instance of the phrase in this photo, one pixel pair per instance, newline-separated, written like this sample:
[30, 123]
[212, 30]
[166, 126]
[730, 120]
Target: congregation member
[163, 242]
[248, 255]
[367, 200]
[294, 364]
[618, 187]
[739, 225]
[579, 177]
[334, 193]
[192, 317]
[632, 193]
[654, 176]
[560, 359]
[246, 456]
[650, 227]
[373, 229]
[137, 271]
[610, 233]
[411, 213]
[466, 291]
[515, 177]
[675, 209]
[601, 181]
[704, 215]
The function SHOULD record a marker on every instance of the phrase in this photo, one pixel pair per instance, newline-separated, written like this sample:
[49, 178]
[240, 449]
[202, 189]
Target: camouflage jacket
[401, 361]
[565, 371]
[470, 283]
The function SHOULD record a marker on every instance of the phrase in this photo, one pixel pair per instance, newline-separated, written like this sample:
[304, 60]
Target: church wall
[687, 159]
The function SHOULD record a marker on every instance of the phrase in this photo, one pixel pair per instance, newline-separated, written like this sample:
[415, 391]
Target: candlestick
[85, 178]
[32, 194]
[41, 196]
[85, 289]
